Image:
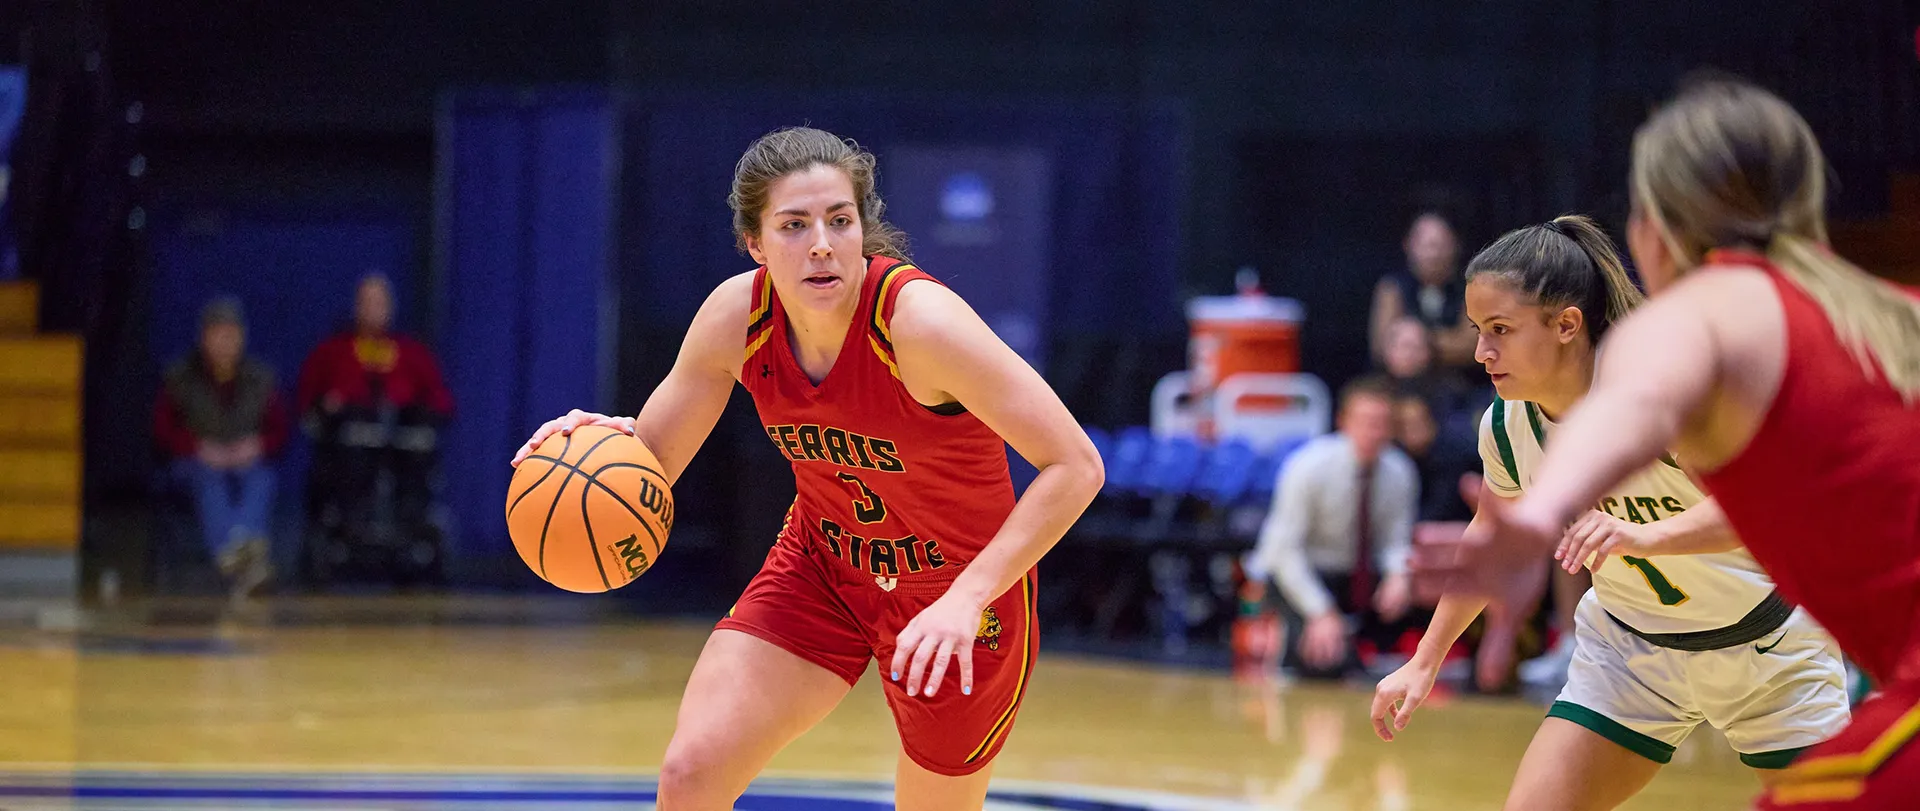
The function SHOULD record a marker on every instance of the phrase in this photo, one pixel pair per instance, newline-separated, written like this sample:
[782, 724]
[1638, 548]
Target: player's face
[810, 239]
[1650, 254]
[1521, 344]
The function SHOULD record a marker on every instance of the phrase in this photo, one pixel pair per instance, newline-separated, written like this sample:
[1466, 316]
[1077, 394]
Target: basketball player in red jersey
[1786, 379]
[895, 404]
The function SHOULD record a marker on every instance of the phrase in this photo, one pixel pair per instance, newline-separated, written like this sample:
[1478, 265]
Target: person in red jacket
[220, 419]
[370, 366]
[372, 399]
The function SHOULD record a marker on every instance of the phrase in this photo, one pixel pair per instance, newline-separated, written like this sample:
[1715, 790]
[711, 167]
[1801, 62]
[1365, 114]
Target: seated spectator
[369, 367]
[1454, 405]
[220, 419]
[1449, 466]
[1337, 537]
[372, 399]
[1431, 290]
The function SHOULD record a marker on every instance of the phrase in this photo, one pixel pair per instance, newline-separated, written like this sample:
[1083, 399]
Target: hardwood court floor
[598, 699]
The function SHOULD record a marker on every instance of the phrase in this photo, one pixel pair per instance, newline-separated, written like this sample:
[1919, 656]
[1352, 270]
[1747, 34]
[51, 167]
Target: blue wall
[524, 286]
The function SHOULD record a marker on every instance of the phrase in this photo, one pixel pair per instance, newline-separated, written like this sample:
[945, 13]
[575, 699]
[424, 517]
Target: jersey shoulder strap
[760, 314]
[894, 274]
[1502, 440]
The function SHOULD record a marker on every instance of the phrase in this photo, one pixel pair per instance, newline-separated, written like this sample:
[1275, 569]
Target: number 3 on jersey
[868, 508]
[1662, 587]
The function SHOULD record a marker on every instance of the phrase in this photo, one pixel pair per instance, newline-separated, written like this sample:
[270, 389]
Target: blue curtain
[526, 214]
[13, 102]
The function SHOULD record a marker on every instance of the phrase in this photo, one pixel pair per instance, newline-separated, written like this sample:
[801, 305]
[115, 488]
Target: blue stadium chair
[1172, 467]
[1228, 473]
[1127, 465]
[1102, 442]
[1260, 485]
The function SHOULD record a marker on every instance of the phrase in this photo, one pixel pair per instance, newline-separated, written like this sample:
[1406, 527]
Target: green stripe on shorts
[1612, 730]
[1778, 759]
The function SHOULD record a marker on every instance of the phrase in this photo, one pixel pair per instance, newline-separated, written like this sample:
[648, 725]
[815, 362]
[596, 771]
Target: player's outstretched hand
[943, 631]
[1496, 557]
[565, 425]
[1595, 536]
[1398, 695]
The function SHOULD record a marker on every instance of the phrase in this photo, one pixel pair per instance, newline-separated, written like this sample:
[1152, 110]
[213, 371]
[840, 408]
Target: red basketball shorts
[825, 612]
[1872, 765]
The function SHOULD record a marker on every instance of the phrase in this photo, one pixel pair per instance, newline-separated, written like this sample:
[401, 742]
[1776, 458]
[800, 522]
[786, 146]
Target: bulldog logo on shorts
[989, 629]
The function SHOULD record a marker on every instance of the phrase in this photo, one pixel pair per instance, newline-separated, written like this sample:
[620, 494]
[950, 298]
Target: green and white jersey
[1663, 595]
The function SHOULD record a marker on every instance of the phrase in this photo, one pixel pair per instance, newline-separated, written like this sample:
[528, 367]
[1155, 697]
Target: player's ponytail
[1568, 262]
[1730, 165]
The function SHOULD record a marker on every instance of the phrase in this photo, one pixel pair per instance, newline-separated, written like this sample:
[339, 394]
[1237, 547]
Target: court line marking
[511, 787]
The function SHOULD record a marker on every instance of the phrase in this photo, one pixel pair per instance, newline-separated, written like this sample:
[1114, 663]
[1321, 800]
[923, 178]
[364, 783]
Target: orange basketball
[590, 511]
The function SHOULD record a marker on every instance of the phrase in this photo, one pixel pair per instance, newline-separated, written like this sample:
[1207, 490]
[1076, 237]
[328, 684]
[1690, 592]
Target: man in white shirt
[1341, 569]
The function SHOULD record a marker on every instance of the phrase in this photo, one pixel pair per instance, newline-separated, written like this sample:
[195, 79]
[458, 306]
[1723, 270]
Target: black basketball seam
[595, 482]
[593, 547]
[555, 506]
[543, 477]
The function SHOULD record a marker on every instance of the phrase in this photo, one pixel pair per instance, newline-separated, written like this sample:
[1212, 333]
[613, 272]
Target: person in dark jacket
[220, 418]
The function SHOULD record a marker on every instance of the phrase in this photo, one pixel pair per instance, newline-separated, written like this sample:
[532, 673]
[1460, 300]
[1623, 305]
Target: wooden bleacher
[40, 440]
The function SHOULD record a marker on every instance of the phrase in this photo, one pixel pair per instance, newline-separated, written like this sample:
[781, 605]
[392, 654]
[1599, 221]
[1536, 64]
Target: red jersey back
[898, 490]
[1827, 494]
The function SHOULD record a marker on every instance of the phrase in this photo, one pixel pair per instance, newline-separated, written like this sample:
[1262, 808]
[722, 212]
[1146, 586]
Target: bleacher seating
[1127, 464]
[40, 449]
[1228, 474]
[1168, 500]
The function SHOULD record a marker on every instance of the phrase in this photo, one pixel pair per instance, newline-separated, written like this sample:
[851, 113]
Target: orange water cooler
[1230, 335]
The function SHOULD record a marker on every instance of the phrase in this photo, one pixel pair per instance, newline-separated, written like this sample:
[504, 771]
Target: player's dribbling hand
[1398, 695]
[566, 425]
[1595, 536]
[941, 632]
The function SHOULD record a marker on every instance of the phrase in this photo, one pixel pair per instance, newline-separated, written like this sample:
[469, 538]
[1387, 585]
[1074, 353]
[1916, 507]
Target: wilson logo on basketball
[655, 500]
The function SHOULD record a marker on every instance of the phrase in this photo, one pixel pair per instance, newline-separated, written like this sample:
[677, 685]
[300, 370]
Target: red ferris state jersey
[900, 491]
[1826, 494]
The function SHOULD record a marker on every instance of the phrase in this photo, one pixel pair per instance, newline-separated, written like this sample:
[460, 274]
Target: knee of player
[687, 773]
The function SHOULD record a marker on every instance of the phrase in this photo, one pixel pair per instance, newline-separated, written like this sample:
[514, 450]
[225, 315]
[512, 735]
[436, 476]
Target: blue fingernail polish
[896, 675]
[966, 690]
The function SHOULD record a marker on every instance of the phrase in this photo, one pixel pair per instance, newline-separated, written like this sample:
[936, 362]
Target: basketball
[590, 511]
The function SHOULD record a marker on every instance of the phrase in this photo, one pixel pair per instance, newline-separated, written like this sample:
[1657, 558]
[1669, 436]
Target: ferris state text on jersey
[883, 558]
[814, 443]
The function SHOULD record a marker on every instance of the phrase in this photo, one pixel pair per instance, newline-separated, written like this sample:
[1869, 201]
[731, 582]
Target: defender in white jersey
[1682, 626]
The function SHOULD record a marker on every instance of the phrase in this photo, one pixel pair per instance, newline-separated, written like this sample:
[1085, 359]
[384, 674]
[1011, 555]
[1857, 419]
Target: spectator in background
[372, 399]
[220, 419]
[369, 366]
[1408, 361]
[1448, 466]
[1337, 537]
[1429, 289]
